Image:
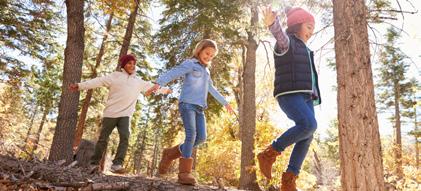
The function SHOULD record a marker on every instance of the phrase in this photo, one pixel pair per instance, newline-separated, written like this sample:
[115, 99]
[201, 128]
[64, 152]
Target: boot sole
[186, 183]
[118, 171]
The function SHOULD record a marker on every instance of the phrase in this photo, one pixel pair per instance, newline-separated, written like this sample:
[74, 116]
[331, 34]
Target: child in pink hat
[296, 89]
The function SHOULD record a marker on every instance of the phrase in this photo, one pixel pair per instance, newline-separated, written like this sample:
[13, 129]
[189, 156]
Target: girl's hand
[229, 109]
[166, 91]
[152, 90]
[269, 16]
[74, 87]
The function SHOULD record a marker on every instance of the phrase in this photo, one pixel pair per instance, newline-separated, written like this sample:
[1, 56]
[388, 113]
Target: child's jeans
[299, 108]
[194, 123]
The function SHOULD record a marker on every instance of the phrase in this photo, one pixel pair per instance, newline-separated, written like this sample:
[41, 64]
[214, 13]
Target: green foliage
[46, 83]
[29, 27]
[186, 22]
[378, 11]
[393, 67]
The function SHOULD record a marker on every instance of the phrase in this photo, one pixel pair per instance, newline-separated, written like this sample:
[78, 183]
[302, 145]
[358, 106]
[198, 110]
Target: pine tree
[61, 148]
[410, 107]
[359, 138]
[393, 86]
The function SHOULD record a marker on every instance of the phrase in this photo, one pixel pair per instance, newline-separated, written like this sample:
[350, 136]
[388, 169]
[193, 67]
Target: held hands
[166, 91]
[154, 88]
[269, 16]
[73, 87]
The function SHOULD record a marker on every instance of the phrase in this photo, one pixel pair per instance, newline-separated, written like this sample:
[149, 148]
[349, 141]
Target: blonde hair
[205, 43]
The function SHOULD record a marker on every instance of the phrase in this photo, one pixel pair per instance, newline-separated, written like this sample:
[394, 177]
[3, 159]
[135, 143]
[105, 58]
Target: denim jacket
[196, 84]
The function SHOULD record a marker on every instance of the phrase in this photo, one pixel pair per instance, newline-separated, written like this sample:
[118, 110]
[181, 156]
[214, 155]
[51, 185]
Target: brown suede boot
[288, 182]
[266, 159]
[168, 156]
[184, 175]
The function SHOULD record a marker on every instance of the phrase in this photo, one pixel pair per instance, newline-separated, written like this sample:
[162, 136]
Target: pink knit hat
[298, 15]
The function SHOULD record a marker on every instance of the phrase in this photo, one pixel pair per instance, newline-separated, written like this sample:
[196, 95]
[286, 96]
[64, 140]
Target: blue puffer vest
[293, 70]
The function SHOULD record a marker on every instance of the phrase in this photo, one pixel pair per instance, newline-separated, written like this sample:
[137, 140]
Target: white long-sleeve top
[124, 89]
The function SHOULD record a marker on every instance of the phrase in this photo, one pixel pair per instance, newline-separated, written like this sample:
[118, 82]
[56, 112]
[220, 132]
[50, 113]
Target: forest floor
[17, 174]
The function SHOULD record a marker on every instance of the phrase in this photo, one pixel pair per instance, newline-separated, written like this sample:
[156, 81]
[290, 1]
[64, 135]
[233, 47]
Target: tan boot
[168, 156]
[266, 159]
[184, 175]
[288, 182]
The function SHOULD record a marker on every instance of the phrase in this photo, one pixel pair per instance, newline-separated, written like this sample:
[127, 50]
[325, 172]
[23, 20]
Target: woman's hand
[74, 87]
[166, 90]
[269, 16]
[152, 90]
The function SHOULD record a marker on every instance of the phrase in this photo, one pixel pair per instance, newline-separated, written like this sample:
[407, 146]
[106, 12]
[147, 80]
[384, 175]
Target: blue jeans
[194, 123]
[299, 108]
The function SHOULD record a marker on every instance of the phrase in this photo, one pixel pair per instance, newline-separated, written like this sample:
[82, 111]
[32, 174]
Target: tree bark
[141, 143]
[318, 168]
[417, 149]
[31, 124]
[247, 173]
[155, 154]
[239, 88]
[41, 126]
[398, 139]
[194, 156]
[84, 152]
[129, 32]
[359, 139]
[87, 101]
[61, 147]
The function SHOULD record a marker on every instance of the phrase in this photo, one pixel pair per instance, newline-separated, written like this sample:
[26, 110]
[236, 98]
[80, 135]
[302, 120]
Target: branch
[325, 44]
[393, 10]
[403, 16]
[387, 18]
[267, 56]
[322, 29]
[375, 38]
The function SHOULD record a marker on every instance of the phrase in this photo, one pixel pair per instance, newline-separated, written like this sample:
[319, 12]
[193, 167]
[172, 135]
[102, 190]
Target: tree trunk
[239, 89]
[398, 139]
[248, 128]
[194, 156]
[318, 169]
[141, 142]
[417, 149]
[129, 32]
[84, 152]
[31, 124]
[155, 154]
[87, 101]
[97, 133]
[359, 139]
[41, 126]
[61, 147]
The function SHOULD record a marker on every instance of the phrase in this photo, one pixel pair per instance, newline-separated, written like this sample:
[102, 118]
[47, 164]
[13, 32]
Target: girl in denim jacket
[192, 103]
